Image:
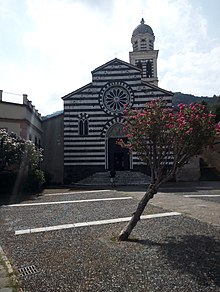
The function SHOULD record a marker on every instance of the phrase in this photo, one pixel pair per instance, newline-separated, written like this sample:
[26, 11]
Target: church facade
[93, 114]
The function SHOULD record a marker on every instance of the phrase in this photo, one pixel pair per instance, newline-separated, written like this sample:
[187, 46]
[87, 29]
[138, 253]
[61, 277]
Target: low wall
[190, 171]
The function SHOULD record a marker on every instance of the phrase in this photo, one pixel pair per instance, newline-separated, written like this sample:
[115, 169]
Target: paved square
[172, 253]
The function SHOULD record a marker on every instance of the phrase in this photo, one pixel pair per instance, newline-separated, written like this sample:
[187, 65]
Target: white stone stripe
[89, 148]
[197, 196]
[69, 202]
[91, 223]
[82, 144]
[74, 163]
[80, 192]
[89, 159]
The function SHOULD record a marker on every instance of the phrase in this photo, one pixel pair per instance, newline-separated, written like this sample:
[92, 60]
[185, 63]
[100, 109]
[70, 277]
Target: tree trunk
[137, 214]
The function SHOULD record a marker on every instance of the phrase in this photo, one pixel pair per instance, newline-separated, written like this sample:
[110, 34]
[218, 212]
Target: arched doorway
[118, 157]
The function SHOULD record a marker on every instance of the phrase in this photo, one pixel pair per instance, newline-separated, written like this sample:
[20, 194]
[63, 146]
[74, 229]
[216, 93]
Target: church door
[118, 157]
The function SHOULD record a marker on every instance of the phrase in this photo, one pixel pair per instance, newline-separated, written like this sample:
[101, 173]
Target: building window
[149, 69]
[139, 64]
[81, 127]
[83, 124]
[151, 46]
[143, 44]
[135, 46]
[86, 128]
[35, 142]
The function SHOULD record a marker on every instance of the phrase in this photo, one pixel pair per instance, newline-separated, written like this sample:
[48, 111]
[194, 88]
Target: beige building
[22, 119]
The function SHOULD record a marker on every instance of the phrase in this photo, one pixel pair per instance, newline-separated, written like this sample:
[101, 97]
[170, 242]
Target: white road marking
[68, 202]
[91, 223]
[79, 192]
[197, 196]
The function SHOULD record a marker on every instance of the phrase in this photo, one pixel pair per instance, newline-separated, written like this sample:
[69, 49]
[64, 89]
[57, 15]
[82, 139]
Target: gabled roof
[116, 61]
[77, 91]
[157, 88]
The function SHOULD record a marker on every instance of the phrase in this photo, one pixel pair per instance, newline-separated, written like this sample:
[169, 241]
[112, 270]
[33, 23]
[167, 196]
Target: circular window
[115, 97]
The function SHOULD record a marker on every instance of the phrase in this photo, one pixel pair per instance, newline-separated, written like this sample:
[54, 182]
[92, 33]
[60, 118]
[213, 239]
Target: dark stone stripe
[90, 151]
[119, 73]
[83, 138]
[112, 79]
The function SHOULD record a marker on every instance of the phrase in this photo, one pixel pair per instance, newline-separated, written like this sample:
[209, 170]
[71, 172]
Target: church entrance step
[121, 178]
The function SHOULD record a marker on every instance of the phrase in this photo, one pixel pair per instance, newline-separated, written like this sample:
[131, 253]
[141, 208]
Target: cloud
[189, 59]
[53, 45]
[197, 73]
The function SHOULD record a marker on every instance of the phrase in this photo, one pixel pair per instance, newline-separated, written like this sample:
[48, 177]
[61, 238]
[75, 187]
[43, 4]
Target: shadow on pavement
[197, 255]
[6, 199]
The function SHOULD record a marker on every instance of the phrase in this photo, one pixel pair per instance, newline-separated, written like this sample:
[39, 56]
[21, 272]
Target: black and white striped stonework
[89, 114]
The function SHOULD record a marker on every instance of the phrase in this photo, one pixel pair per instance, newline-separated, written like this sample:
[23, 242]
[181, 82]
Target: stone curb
[9, 274]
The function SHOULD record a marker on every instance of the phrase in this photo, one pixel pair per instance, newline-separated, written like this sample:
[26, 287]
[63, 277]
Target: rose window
[116, 99]
[115, 96]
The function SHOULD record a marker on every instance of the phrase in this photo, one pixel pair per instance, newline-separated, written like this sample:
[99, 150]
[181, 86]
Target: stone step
[122, 178]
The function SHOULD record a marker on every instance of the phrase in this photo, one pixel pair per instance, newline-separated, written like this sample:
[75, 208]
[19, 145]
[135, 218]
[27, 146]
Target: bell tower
[143, 55]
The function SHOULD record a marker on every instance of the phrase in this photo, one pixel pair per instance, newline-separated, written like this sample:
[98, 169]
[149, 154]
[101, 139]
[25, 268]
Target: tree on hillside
[165, 141]
[216, 108]
[22, 159]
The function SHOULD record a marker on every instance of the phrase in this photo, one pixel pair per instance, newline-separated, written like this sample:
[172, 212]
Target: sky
[49, 47]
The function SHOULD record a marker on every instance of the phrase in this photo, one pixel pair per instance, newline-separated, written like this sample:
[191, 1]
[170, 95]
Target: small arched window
[83, 125]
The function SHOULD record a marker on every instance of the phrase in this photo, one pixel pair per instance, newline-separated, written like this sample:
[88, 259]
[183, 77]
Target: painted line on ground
[78, 192]
[197, 196]
[68, 202]
[91, 223]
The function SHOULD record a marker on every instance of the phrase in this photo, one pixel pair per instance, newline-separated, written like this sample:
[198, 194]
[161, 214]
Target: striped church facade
[93, 120]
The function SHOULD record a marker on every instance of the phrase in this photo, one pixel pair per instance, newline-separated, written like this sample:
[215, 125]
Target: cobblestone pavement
[176, 253]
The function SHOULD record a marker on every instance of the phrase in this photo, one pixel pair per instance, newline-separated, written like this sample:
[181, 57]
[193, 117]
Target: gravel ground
[164, 254]
[17, 218]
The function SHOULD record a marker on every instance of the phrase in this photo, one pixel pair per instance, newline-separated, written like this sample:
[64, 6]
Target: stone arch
[115, 131]
[110, 123]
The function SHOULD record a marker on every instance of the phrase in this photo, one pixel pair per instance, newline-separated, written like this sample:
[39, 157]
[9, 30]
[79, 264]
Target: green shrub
[34, 181]
[19, 164]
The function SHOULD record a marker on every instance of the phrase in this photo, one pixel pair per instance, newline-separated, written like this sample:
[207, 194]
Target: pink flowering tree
[165, 140]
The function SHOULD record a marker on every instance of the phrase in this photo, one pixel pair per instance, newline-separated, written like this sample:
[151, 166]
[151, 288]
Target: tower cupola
[142, 37]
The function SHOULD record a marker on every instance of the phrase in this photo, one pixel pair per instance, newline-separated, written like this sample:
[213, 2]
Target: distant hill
[177, 99]
[189, 98]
